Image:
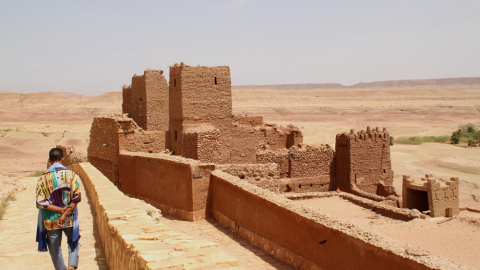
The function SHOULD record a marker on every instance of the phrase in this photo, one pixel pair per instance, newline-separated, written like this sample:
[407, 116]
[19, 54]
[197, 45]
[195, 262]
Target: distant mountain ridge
[396, 84]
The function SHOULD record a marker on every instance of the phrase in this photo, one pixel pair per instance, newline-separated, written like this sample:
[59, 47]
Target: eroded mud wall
[103, 148]
[269, 222]
[146, 100]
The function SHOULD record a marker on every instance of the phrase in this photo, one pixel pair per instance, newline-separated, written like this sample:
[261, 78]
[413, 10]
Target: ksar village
[184, 168]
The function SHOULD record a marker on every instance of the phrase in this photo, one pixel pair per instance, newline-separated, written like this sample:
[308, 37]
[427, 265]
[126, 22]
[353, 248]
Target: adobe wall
[279, 157]
[202, 143]
[200, 95]
[311, 161]
[133, 240]
[438, 197]
[103, 147]
[262, 175]
[70, 156]
[146, 100]
[301, 237]
[110, 135]
[174, 184]
[321, 183]
[363, 160]
[134, 139]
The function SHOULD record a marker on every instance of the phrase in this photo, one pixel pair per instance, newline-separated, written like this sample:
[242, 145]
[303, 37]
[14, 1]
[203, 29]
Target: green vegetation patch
[466, 134]
[420, 140]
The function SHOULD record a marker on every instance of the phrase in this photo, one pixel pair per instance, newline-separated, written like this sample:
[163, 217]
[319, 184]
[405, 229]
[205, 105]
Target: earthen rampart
[134, 240]
[301, 237]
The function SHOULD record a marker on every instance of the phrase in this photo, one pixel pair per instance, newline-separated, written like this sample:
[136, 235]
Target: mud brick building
[191, 116]
[179, 147]
[438, 197]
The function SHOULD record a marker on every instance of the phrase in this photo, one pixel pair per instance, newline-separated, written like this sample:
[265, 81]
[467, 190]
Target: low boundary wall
[304, 238]
[133, 240]
[176, 185]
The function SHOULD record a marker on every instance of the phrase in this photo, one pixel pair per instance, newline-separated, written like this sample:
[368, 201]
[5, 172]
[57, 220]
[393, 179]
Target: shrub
[391, 140]
[456, 135]
[468, 129]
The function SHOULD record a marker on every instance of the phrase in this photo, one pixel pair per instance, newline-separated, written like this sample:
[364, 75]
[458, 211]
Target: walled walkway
[18, 249]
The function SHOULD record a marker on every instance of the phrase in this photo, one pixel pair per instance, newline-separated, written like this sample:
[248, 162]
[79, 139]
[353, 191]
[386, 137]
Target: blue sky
[92, 47]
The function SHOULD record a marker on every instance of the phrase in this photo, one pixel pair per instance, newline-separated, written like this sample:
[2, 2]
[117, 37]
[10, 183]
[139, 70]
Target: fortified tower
[363, 162]
[146, 100]
[200, 112]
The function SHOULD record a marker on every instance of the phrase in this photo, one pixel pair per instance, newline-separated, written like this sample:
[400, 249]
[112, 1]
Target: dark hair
[56, 154]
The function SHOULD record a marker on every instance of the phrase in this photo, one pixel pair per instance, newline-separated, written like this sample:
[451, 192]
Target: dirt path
[18, 249]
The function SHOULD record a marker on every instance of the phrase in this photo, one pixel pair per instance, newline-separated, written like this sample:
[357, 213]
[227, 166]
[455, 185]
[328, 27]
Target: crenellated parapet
[434, 196]
[363, 161]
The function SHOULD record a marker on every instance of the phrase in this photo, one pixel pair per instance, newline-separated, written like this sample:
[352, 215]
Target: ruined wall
[245, 141]
[278, 137]
[363, 160]
[297, 236]
[176, 185]
[279, 157]
[103, 147]
[311, 161]
[202, 143]
[430, 194]
[254, 121]
[134, 139]
[321, 183]
[71, 157]
[146, 100]
[265, 175]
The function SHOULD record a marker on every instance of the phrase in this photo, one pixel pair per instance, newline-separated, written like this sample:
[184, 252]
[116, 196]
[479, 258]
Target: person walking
[57, 196]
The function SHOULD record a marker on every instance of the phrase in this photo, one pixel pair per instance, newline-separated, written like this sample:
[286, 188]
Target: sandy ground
[438, 236]
[18, 249]
[31, 124]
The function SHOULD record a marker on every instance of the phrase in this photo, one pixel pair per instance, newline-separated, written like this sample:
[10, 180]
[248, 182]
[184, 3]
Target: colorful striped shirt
[60, 187]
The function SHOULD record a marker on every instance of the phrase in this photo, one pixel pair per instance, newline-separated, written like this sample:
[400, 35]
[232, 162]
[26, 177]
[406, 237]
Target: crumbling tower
[363, 162]
[200, 112]
[146, 100]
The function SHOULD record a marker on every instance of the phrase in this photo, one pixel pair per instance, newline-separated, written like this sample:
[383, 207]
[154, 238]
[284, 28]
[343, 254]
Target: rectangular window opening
[215, 80]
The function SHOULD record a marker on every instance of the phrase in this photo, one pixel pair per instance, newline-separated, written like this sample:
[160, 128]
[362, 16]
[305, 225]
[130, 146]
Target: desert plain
[31, 124]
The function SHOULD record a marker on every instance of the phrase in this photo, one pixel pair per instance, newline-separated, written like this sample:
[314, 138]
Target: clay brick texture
[363, 161]
[438, 197]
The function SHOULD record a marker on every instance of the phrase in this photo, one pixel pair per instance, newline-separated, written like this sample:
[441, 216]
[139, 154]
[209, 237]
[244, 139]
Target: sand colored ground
[439, 236]
[18, 249]
[30, 124]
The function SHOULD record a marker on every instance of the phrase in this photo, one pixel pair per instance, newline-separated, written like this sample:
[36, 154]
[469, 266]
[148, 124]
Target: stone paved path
[249, 256]
[18, 249]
